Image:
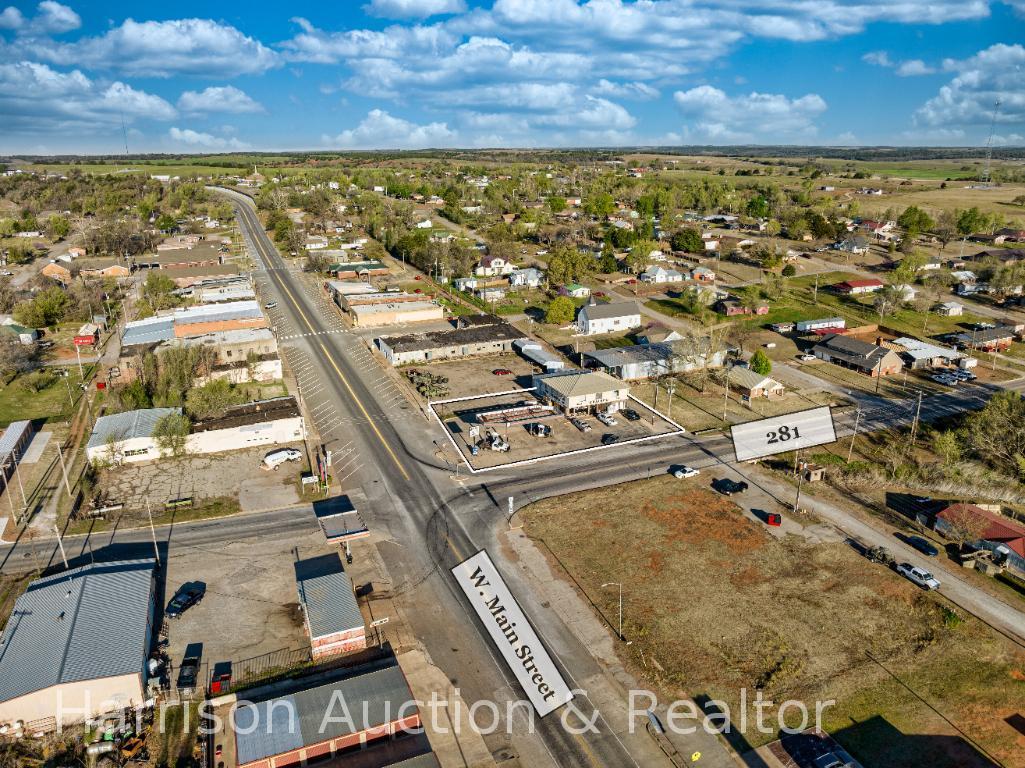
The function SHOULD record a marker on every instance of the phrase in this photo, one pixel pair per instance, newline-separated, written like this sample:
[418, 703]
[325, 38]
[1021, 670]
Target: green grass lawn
[52, 403]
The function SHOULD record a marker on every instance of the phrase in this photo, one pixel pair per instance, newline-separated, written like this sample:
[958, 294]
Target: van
[275, 459]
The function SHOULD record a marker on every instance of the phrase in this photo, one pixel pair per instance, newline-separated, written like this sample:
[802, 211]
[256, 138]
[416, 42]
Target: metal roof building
[132, 430]
[13, 443]
[286, 728]
[333, 619]
[76, 644]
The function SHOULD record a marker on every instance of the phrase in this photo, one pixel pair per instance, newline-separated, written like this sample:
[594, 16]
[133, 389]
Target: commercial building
[593, 319]
[331, 613]
[537, 354]
[350, 300]
[396, 313]
[477, 335]
[999, 534]
[200, 255]
[362, 270]
[126, 437]
[264, 422]
[581, 391]
[997, 339]
[193, 321]
[250, 354]
[76, 645]
[871, 359]
[292, 724]
[185, 277]
[13, 443]
[339, 288]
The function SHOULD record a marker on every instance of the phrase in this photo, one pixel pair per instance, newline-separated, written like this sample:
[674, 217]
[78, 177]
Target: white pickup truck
[919, 576]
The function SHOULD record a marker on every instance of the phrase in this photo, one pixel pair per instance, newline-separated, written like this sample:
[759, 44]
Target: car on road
[6, 273]
[270, 305]
[609, 439]
[728, 487]
[630, 414]
[275, 459]
[502, 372]
[580, 424]
[188, 595]
[681, 473]
[607, 419]
[806, 358]
[923, 545]
[918, 576]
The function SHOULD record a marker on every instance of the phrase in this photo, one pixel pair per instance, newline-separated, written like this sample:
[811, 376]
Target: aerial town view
[512, 384]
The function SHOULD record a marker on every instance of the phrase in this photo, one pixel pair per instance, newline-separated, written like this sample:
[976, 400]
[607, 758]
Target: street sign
[510, 629]
[783, 433]
[379, 622]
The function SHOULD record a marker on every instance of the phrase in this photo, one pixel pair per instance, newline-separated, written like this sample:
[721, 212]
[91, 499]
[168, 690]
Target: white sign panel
[516, 640]
[783, 433]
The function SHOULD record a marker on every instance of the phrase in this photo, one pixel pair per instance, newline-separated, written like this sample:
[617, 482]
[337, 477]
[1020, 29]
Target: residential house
[490, 293]
[57, 272]
[1001, 535]
[997, 339]
[101, 268]
[526, 278]
[854, 245]
[657, 334]
[702, 275]
[733, 307]
[753, 384]
[613, 317]
[949, 309]
[847, 352]
[657, 275]
[859, 286]
[575, 291]
[644, 361]
[491, 266]
[581, 391]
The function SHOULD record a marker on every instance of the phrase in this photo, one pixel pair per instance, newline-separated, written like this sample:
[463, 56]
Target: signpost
[781, 434]
[512, 634]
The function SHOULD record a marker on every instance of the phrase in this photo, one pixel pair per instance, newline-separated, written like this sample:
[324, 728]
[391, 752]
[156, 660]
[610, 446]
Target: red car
[419, 277]
[774, 519]
[599, 294]
[502, 372]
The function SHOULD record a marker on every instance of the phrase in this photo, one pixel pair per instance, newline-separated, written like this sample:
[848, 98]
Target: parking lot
[250, 607]
[476, 376]
[459, 417]
[236, 475]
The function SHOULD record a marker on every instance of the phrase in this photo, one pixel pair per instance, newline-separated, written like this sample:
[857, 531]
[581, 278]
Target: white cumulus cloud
[994, 74]
[227, 98]
[192, 138]
[413, 9]
[770, 117]
[380, 130]
[914, 68]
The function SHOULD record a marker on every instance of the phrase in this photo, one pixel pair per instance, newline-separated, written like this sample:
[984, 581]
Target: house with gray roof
[862, 356]
[613, 317]
[76, 645]
[127, 436]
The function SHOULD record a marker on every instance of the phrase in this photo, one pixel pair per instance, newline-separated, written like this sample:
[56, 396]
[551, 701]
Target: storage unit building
[333, 620]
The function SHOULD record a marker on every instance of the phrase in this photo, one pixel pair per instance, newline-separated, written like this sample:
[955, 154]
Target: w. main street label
[512, 633]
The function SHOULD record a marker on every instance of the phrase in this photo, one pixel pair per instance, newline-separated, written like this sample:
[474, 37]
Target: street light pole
[620, 585]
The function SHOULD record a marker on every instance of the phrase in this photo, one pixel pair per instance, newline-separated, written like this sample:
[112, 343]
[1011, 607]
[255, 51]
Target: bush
[560, 311]
[760, 363]
[789, 270]
[37, 381]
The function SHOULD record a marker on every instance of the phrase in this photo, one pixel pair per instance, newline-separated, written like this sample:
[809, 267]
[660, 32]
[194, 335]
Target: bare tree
[964, 525]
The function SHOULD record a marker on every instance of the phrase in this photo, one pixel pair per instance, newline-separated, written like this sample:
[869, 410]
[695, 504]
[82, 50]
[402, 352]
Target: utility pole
[670, 390]
[64, 469]
[153, 532]
[620, 585]
[815, 292]
[857, 420]
[800, 481]
[78, 354]
[726, 396]
[914, 424]
[60, 544]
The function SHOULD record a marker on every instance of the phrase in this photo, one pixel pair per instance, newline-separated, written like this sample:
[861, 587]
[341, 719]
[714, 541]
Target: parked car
[609, 439]
[631, 414]
[922, 545]
[917, 575]
[944, 378]
[728, 487]
[188, 671]
[188, 595]
[607, 419]
[502, 372]
[580, 424]
[806, 358]
[6, 272]
[270, 305]
[275, 459]
[681, 473]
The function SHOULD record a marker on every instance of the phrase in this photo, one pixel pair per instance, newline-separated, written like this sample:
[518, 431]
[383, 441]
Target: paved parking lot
[236, 475]
[251, 605]
[459, 417]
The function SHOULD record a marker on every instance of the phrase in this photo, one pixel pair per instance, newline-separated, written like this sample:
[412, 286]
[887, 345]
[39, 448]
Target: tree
[970, 221]
[607, 263]
[556, 204]
[760, 363]
[947, 445]
[915, 221]
[640, 255]
[887, 301]
[560, 311]
[57, 227]
[964, 525]
[170, 433]
[996, 434]
[47, 309]
[600, 205]
[15, 357]
[158, 290]
[212, 399]
[789, 270]
[688, 239]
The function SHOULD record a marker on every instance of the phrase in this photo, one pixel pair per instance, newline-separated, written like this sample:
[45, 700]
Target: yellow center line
[344, 381]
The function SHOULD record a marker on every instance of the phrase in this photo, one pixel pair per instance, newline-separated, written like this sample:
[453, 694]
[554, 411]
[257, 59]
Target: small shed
[333, 619]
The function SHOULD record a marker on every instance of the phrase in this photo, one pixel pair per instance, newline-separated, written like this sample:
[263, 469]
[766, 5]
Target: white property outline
[523, 462]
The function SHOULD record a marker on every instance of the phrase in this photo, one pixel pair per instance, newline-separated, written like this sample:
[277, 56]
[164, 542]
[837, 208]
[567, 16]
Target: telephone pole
[857, 420]
[153, 532]
[914, 424]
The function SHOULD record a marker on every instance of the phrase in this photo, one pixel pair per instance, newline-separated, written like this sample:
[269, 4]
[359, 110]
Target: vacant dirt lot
[473, 376]
[713, 604]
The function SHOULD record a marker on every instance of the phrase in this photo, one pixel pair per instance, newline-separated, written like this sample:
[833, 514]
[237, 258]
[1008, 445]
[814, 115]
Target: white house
[582, 391]
[492, 266]
[425, 224]
[529, 277]
[617, 317]
[949, 309]
[656, 274]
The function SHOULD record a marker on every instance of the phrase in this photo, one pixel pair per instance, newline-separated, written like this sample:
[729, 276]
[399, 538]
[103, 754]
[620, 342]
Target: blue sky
[512, 73]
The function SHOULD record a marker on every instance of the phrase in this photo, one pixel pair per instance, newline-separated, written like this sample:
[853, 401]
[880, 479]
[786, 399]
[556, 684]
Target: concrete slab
[36, 447]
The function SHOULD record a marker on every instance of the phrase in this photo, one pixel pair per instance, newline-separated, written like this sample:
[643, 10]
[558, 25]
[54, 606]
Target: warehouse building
[331, 613]
[582, 391]
[294, 723]
[396, 313]
[490, 337]
[76, 646]
[193, 321]
[13, 443]
[126, 437]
